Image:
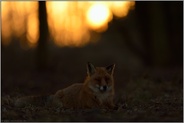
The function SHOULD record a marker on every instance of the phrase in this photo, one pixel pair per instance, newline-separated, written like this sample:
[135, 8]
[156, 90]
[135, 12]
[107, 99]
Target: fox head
[100, 79]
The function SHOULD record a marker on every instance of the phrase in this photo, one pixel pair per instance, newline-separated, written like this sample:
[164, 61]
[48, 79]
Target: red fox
[97, 91]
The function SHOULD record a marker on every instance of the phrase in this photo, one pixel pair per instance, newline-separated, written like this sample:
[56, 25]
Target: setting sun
[98, 16]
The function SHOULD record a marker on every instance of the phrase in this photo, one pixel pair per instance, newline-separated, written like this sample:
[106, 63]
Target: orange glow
[15, 15]
[121, 8]
[32, 28]
[66, 24]
[98, 15]
[70, 22]
[5, 28]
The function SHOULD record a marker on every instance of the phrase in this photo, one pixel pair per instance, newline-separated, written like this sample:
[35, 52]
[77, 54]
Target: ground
[154, 95]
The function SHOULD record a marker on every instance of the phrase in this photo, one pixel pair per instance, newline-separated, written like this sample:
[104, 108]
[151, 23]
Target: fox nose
[103, 88]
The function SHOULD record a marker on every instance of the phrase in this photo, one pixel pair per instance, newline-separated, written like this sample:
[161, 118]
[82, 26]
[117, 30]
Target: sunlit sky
[69, 22]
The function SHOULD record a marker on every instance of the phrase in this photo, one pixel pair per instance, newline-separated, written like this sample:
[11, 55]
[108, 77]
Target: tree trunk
[42, 52]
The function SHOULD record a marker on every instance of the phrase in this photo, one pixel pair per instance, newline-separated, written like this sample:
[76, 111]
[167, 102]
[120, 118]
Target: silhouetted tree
[161, 28]
[43, 37]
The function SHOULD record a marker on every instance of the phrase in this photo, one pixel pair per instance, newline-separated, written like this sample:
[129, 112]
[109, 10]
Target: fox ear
[110, 69]
[90, 69]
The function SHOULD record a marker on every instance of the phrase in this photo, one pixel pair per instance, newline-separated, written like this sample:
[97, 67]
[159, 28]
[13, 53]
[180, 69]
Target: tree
[42, 51]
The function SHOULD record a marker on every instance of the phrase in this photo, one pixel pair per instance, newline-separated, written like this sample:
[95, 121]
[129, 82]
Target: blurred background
[45, 45]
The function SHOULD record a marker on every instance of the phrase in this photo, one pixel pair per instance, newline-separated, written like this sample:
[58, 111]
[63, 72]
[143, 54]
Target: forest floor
[148, 97]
